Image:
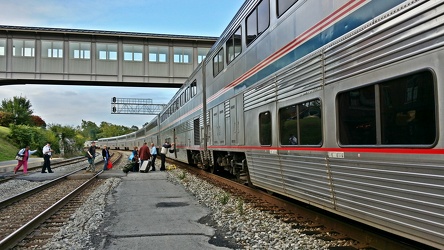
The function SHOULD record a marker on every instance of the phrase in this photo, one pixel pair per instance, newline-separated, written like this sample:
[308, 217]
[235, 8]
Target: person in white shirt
[46, 158]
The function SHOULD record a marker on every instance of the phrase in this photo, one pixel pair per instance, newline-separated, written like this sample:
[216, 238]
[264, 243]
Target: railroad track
[54, 165]
[51, 203]
[310, 220]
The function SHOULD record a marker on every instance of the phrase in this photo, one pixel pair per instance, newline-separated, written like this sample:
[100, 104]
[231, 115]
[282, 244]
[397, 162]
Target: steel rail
[14, 238]
[18, 197]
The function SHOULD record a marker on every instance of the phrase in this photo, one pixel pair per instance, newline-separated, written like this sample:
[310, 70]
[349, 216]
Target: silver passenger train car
[334, 103]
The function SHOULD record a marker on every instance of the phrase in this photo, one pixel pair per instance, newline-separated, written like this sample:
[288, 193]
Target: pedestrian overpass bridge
[30, 55]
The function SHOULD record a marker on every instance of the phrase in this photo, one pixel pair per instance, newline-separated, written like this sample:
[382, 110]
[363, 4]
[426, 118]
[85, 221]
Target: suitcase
[145, 166]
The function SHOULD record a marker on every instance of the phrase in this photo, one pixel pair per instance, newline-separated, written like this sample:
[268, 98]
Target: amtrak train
[333, 103]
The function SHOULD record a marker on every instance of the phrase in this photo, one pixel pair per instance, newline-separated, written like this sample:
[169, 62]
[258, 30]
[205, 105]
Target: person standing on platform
[26, 152]
[154, 155]
[163, 153]
[47, 151]
[134, 157]
[92, 157]
[144, 153]
[105, 154]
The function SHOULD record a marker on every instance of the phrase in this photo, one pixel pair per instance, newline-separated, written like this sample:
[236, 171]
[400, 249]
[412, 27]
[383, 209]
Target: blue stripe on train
[353, 20]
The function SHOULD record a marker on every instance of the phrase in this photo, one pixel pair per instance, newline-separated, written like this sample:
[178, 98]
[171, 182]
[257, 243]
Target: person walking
[144, 153]
[154, 155]
[47, 152]
[26, 152]
[92, 157]
[163, 153]
[105, 155]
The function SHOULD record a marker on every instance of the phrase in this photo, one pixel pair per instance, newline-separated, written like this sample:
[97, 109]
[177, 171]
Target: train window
[284, 5]
[2, 47]
[196, 128]
[193, 88]
[357, 117]
[182, 99]
[301, 124]
[265, 128]
[218, 62]
[406, 111]
[234, 45]
[258, 21]
[187, 94]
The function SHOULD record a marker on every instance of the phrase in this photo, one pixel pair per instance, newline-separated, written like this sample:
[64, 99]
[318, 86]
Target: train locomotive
[332, 103]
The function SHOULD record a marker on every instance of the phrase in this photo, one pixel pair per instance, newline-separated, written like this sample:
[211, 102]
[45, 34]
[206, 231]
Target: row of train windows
[183, 98]
[257, 22]
[54, 49]
[399, 111]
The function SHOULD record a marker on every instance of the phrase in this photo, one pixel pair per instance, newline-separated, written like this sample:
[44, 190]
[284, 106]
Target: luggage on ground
[145, 166]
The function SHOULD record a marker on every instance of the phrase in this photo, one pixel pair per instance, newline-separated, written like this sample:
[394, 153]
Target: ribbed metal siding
[264, 170]
[259, 96]
[397, 195]
[403, 196]
[302, 77]
[306, 177]
[386, 42]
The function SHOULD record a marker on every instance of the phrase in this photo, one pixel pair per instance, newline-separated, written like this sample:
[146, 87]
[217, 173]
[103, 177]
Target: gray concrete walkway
[150, 212]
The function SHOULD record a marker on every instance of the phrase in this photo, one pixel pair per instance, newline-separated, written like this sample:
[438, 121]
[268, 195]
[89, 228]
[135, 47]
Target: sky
[68, 106]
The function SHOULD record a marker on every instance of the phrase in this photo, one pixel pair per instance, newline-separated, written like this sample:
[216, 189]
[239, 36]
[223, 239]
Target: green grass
[7, 149]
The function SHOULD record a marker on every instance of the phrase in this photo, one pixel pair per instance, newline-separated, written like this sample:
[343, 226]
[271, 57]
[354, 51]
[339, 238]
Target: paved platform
[147, 212]
[150, 212]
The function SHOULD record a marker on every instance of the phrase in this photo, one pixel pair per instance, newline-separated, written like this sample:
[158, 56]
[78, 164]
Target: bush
[35, 137]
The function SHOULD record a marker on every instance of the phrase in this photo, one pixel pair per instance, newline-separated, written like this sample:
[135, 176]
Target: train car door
[221, 129]
[239, 125]
[233, 122]
[214, 126]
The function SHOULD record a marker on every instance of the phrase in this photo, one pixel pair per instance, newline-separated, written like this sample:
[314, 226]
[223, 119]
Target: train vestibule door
[221, 130]
[237, 120]
[233, 122]
[214, 126]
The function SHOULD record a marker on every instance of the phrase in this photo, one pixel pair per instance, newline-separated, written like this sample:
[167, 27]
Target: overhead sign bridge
[135, 106]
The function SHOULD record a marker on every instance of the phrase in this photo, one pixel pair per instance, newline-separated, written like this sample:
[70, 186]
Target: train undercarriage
[234, 163]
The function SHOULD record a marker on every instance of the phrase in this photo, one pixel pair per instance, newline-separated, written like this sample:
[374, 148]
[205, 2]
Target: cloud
[69, 105]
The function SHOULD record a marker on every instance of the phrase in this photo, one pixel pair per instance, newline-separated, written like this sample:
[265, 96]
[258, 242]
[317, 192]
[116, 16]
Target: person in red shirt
[144, 153]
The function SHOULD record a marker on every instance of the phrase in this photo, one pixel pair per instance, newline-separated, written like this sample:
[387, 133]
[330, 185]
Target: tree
[20, 108]
[37, 121]
[67, 137]
[90, 130]
[35, 137]
[110, 130]
[6, 118]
